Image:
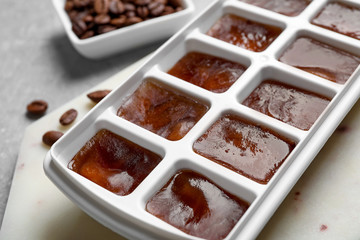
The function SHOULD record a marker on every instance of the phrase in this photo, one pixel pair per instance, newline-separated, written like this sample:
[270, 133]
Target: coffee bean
[81, 3]
[68, 117]
[88, 19]
[102, 19]
[168, 10]
[116, 7]
[87, 34]
[130, 14]
[105, 28]
[81, 15]
[97, 96]
[178, 9]
[73, 15]
[133, 20]
[37, 107]
[175, 3]
[142, 12]
[119, 22]
[142, 2]
[50, 137]
[165, 2]
[129, 7]
[91, 11]
[156, 8]
[79, 27]
[90, 26]
[69, 5]
[101, 6]
[94, 17]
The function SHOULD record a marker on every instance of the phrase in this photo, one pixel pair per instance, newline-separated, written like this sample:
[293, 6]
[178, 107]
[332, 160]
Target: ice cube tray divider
[133, 221]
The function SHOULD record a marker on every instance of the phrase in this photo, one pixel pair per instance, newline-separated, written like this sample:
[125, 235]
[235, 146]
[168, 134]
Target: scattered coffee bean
[50, 137]
[37, 107]
[93, 17]
[68, 117]
[97, 96]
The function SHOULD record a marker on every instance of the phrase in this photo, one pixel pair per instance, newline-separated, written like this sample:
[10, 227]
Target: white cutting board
[325, 203]
[36, 209]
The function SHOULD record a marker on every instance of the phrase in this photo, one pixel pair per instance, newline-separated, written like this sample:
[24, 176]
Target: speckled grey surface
[38, 62]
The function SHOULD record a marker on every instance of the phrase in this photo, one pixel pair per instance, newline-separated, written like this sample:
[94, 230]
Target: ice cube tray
[126, 215]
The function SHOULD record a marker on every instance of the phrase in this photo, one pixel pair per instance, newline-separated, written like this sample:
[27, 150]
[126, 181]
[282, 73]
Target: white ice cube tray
[126, 215]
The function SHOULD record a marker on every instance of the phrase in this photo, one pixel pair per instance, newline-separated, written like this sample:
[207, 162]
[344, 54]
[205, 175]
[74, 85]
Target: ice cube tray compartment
[275, 72]
[346, 3]
[279, 73]
[126, 214]
[233, 8]
[292, 8]
[325, 40]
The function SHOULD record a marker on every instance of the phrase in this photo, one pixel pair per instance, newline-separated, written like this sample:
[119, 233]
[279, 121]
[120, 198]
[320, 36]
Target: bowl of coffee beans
[99, 28]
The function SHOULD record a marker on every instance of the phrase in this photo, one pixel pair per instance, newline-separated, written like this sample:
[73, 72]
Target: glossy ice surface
[114, 162]
[197, 206]
[206, 71]
[321, 59]
[286, 7]
[294, 106]
[247, 149]
[244, 33]
[340, 18]
[162, 111]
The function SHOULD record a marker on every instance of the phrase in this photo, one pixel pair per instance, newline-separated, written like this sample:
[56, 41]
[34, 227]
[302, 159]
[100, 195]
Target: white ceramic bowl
[125, 38]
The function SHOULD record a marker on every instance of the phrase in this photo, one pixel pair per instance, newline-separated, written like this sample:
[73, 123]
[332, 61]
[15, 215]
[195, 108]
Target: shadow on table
[77, 67]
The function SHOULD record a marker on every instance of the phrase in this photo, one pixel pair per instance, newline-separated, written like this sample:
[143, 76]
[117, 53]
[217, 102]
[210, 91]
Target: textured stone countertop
[38, 62]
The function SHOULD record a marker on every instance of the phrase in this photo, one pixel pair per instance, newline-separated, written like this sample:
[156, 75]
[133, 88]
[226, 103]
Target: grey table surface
[38, 62]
